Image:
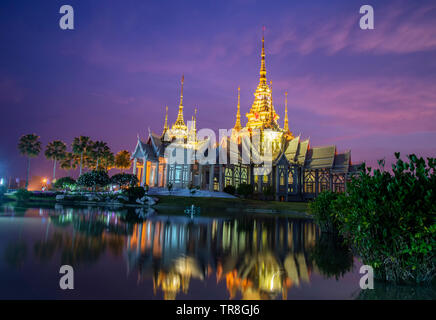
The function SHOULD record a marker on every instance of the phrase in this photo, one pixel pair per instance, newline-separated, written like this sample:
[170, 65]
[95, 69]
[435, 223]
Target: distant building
[298, 171]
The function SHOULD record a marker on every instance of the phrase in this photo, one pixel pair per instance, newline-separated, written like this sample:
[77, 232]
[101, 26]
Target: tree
[108, 159]
[124, 179]
[65, 183]
[81, 146]
[98, 150]
[55, 150]
[29, 146]
[93, 179]
[122, 160]
[71, 161]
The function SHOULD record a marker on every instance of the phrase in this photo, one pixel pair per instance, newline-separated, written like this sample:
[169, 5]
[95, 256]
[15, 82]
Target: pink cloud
[381, 104]
[398, 29]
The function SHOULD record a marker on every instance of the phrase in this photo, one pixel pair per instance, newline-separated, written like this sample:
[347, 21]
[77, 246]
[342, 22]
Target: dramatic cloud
[399, 29]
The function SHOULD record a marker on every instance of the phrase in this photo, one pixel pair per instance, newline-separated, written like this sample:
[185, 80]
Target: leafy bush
[230, 189]
[124, 180]
[135, 193]
[93, 179]
[245, 190]
[323, 209]
[22, 195]
[65, 183]
[389, 219]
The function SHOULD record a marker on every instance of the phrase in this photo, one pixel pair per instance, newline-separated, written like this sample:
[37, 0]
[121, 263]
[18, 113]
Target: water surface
[116, 255]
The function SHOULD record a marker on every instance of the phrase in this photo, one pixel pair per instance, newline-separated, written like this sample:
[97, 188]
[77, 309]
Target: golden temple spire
[194, 119]
[181, 94]
[262, 63]
[286, 124]
[272, 107]
[166, 119]
[238, 126]
[180, 123]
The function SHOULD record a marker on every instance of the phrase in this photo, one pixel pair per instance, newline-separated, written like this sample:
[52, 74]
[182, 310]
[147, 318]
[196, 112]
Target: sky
[371, 91]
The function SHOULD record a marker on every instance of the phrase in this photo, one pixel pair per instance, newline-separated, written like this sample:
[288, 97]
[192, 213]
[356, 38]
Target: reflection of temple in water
[257, 258]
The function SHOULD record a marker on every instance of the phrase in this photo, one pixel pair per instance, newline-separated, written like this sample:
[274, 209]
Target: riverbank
[297, 209]
[209, 206]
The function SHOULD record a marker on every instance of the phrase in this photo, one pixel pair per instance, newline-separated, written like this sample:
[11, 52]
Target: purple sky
[372, 91]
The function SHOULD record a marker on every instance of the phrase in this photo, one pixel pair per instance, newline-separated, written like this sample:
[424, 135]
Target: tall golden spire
[165, 130]
[180, 123]
[272, 106]
[195, 119]
[238, 126]
[262, 63]
[262, 114]
[166, 119]
[286, 124]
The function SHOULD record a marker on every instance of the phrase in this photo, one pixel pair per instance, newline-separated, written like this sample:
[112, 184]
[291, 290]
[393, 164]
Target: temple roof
[320, 157]
[342, 162]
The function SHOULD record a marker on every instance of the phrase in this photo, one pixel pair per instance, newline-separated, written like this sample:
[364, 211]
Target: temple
[296, 170]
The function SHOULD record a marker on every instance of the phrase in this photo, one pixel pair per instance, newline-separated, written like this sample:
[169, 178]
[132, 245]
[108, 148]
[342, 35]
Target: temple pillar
[331, 180]
[221, 177]
[144, 171]
[156, 175]
[167, 168]
[200, 176]
[276, 191]
[134, 167]
[211, 175]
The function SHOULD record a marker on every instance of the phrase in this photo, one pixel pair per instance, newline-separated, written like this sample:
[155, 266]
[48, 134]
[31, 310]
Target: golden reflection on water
[256, 258]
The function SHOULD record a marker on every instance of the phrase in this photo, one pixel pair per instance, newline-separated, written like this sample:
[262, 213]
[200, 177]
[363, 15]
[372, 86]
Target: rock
[151, 201]
[122, 197]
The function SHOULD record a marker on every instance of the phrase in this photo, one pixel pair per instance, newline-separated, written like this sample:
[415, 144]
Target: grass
[235, 203]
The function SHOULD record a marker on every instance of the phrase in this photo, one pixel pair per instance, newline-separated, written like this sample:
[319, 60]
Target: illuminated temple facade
[299, 171]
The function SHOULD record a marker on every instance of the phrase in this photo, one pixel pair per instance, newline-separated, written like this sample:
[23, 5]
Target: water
[115, 255]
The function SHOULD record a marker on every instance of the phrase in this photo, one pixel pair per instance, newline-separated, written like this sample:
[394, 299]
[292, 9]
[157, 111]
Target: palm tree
[122, 160]
[29, 146]
[55, 150]
[81, 146]
[71, 161]
[99, 148]
[108, 159]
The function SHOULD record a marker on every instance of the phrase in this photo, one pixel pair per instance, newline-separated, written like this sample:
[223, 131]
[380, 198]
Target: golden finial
[238, 126]
[262, 63]
[272, 107]
[181, 94]
[166, 118]
[180, 123]
[286, 124]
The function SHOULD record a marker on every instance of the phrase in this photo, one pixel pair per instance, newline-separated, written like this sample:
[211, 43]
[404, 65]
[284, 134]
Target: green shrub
[124, 180]
[245, 190]
[22, 195]
[323, 209]
[93, 179]
[230, 189]
[65, 183]
[389, 219]
[135, 193]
